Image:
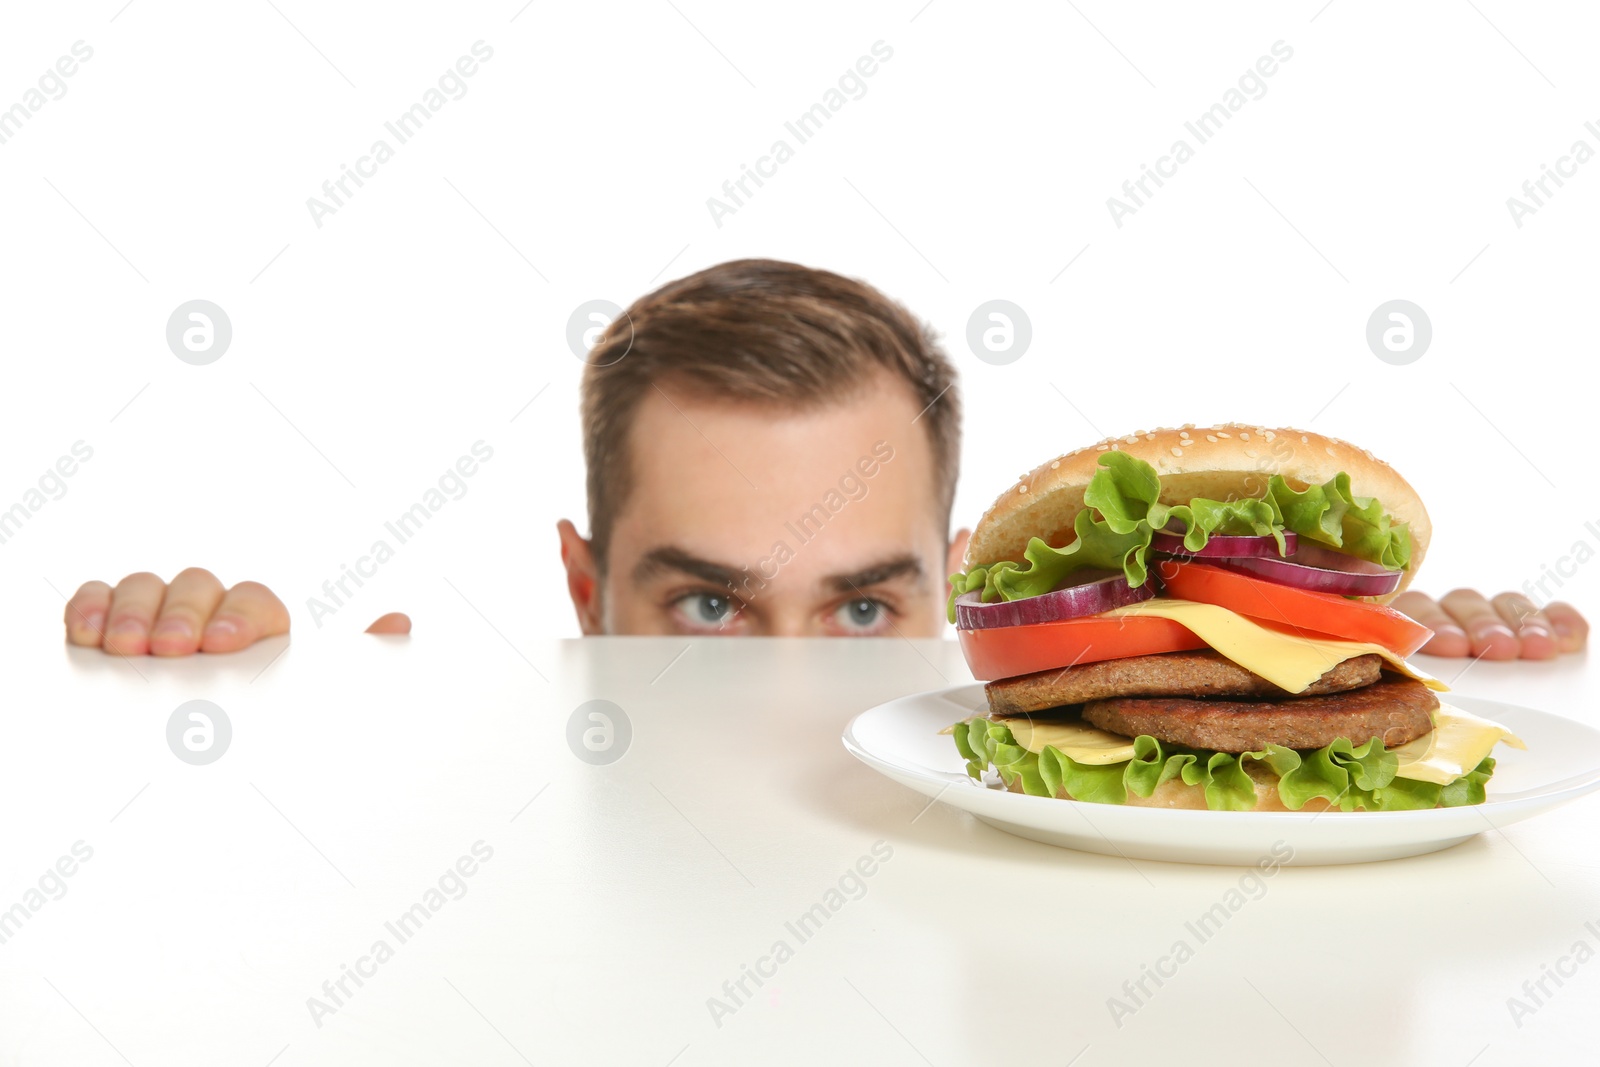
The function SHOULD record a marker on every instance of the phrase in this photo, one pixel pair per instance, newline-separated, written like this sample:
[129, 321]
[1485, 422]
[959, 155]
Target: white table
[620, 898]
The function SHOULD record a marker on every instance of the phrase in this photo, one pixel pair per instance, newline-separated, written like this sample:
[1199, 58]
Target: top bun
[1230, 461]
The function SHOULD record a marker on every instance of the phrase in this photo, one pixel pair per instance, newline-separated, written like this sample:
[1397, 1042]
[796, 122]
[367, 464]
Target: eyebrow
[670, 558]
[907, 566]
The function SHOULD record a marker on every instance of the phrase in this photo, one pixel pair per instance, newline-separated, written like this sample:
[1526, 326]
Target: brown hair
[758, 331]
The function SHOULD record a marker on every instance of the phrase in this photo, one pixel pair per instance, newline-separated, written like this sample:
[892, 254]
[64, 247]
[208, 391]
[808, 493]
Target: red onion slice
[1224, 546]
[1073, 602]
[1321, 569]
[1315, 555]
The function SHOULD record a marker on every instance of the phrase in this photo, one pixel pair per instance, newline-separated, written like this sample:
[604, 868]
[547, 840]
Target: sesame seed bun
[1224, 462]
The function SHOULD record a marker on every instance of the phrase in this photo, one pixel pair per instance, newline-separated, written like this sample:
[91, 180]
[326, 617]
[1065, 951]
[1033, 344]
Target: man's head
[771, 449]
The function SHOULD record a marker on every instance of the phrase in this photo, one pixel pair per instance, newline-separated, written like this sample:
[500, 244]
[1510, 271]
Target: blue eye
[861, 614]
[707, 609]
[714, 608]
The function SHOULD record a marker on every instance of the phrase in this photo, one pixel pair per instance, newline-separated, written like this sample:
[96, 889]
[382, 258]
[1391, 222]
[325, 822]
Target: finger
[1572, 629]
[134, 603]
[191, 598]
[248, 612]
[1448, 639]
[86, 614]
[1534, 632]
[1491, 638]
[396, 622]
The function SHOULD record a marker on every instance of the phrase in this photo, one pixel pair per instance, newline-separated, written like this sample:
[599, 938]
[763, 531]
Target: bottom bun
[1174, 794]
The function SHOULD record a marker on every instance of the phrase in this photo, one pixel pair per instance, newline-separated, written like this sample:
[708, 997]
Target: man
[770, 449]
[776, 453]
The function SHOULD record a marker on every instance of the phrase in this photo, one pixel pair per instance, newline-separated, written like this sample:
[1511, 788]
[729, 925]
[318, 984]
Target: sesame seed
[1056, 463]
[1211, 437]
[1304, 439]
[1270, 435]
[1329, 451]
[1022, 489]
[1251, 453]
[1177, 451]
[1244, 437]
[1098, 448]
[1221, 434]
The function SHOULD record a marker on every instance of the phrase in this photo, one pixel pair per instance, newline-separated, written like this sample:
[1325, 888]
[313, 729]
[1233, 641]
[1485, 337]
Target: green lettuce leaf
[1150, 767]
[1096, 785]
[1097, 545]
[1340, 773]
[1126, 492]
[1468, 789]
[1330, 514]
[1122, 510]
[1353, 777]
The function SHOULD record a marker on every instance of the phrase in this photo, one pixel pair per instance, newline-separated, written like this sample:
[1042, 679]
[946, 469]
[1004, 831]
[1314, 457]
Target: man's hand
[192, 614]
[1508, 627]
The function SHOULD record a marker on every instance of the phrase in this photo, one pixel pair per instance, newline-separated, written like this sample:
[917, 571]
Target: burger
[1197, 618]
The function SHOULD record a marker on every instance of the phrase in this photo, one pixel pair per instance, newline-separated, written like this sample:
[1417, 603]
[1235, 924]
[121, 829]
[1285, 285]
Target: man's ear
[583, 578]
[955, 562]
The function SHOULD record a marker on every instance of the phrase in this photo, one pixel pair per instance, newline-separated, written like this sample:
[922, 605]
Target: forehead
[727, 481]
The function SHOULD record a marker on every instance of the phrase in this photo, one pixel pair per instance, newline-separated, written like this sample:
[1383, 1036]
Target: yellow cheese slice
[1458, 743]
[1289, 661]
[1077, 739]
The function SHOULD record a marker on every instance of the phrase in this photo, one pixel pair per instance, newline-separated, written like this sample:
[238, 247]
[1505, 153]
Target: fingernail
[173, 627]
[127, 627]
[222, 628]
[93, 622]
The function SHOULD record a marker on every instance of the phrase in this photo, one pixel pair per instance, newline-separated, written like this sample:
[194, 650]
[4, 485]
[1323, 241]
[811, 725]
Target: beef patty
[1202, 673]
[1395, 709]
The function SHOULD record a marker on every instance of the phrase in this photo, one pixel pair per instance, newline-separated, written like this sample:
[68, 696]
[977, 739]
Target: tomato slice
[1285, 607]
[1007, 651]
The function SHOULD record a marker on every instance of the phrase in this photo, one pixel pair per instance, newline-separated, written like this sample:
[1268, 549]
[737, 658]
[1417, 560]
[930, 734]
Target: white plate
[901, 740]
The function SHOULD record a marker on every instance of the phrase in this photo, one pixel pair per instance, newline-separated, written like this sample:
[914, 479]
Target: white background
[430, 309]
[370, 353]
